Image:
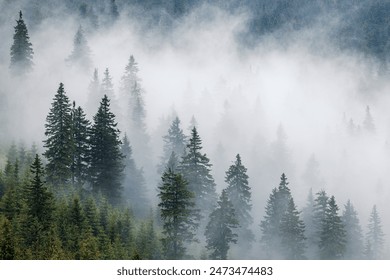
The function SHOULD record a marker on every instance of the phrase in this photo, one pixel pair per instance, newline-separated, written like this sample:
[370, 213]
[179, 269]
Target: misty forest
[194, 129]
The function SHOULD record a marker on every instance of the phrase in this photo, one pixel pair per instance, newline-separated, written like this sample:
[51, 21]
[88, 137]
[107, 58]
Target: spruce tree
[196, 169]
[239, 194]
[180, 219]
[292, 233]
[368, 123]
[319, 214]
[21, 49]
[276, 207]
[311, 231]
[375, 240]
[220, 228]
[106, 160]
[133, 182]
[332, 242]
[174, 141]
[94, 93]
[59, 139]
[80, 55]
[81, 133]
[354, 236]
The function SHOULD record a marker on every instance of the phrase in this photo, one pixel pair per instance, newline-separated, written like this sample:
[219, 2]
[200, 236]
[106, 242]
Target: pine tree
[106, 160]
[81, 133]
[196, 169]
[21, 49]
[39, 199]
[354, 236]
[292, 233]
[219, 230]
[59, 141]
[311, 232]
[332, 242]
[239, 194]
[114, 14]
[80, 55]
[368, 122]
[179, 218]
[276, 207]
[134, 182]
[319, 214]
[174, 141]
[94, 93]
[375, 236]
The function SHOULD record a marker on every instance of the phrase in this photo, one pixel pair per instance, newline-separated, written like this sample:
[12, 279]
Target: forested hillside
[194, 129]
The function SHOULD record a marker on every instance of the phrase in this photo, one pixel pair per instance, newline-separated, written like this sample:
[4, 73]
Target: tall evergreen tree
[332, 242]
[319, 214]
[21, 49]
[81, 53]
[106, 160]
[134, 182]
[354, 236]
[219, 230]
[375, 240]
[276, 207]
[239, 194]
[59, 139]
[292, 233]
[196, 169]
[174, 141]
[311, 231]
[94, 93]
[368, 123]
[180, 219]
[81, 133]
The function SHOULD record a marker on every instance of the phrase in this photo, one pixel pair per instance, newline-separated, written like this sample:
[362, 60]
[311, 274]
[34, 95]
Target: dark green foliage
[333, 235]
[375, 236]
[319, 214]
[81, 133]
[354, 236]
[219, 230]
[59, 139]
[239, 194]
[21, 49]
[179, 218]
[310, 228]
[106, 160]
[39, 200]
[134, 187]
[292, 233]
[275, 209]
[147, 244]
[196, 169]
[80, 55]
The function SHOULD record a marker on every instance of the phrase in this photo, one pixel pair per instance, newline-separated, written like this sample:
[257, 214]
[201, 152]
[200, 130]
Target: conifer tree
[133, 182]
[319, 214]
[276, 207]
[174, 141]
[21, 49]
[59, 139]
[179, 218]
[354, 236]
[310, 229]
[239, 194]
[220, 228]
[81, 133]
[196, 169]
[332, 242]
[94, 93]
[375, 240]
[106, 160]
[80, 55]
[368, 123]
[292, 233]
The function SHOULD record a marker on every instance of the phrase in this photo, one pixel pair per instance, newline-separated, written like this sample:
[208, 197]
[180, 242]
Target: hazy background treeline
[294, 87]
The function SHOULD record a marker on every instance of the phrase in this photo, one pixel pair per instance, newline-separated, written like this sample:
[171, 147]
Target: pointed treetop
[20, 15]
